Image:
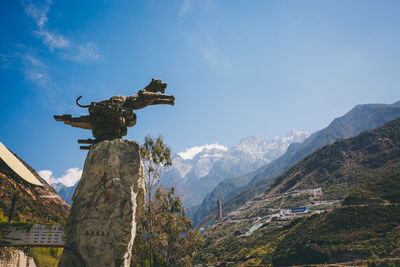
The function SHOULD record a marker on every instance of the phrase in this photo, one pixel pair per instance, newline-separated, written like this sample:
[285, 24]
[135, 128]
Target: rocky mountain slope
[195, 172]
[34, 203]
[237, 191]
[357, 213]
[66, 192]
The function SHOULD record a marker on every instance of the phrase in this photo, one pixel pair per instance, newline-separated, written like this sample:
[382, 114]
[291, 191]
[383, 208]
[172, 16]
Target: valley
[235, 192]
[349, 191]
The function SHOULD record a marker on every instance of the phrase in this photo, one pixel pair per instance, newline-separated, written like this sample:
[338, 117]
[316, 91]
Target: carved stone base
[110, 196]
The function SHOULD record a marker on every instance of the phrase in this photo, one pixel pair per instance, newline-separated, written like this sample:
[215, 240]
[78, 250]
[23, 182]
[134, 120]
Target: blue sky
[236, 68]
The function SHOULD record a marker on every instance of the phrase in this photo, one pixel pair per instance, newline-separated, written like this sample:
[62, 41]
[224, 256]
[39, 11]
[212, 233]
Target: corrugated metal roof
[16, 165]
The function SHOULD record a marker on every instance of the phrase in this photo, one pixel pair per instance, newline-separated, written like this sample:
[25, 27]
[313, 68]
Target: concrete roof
[17, 166]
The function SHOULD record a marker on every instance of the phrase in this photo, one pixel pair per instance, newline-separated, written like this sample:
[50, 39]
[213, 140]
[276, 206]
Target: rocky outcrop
[110, 196]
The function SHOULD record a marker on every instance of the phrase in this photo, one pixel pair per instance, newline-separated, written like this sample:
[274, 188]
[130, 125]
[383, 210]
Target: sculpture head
[156, 85]
[118, 99]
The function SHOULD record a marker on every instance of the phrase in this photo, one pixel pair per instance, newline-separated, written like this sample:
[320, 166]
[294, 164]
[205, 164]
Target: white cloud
[81, 53]
[33, 76]
[52, 40]
[39, 13]
[34, 69]
[190, 153]
[86, 53]
[33, 60]
[69, 178]
[46, 174]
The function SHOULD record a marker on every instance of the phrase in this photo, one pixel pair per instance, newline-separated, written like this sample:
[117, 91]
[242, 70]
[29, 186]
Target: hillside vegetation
[34, 203]
[360, 178]
[369, 223]
[342, 235]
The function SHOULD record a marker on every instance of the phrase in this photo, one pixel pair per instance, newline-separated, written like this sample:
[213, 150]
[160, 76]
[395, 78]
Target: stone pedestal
[110, 196]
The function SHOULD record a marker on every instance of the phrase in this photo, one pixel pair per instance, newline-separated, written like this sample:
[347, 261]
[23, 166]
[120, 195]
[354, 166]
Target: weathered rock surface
[110, 196]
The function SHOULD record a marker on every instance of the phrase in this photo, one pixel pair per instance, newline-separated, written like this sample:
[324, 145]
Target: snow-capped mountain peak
[190, 153]
[198, 169]
[251, 145]
[294, 136]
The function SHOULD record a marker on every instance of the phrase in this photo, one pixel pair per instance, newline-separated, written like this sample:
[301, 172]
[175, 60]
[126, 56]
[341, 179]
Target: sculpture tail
[82, 106]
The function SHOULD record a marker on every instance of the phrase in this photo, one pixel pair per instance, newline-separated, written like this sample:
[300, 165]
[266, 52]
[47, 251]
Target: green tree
[155, 157]
[177, 241]
[164, 235]
[174, 242]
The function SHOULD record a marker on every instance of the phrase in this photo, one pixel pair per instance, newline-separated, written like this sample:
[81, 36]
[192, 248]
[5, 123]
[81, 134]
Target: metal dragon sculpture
[109, 119]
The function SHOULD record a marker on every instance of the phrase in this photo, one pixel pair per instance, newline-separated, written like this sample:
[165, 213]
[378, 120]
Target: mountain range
[198, 170]
[355, 215]
[235, 192]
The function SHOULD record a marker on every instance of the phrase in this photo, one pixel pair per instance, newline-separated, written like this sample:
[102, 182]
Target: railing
[31, 235]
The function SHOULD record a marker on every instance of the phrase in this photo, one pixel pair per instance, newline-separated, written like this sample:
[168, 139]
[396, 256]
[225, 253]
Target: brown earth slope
[356, 216]
[34, 203]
